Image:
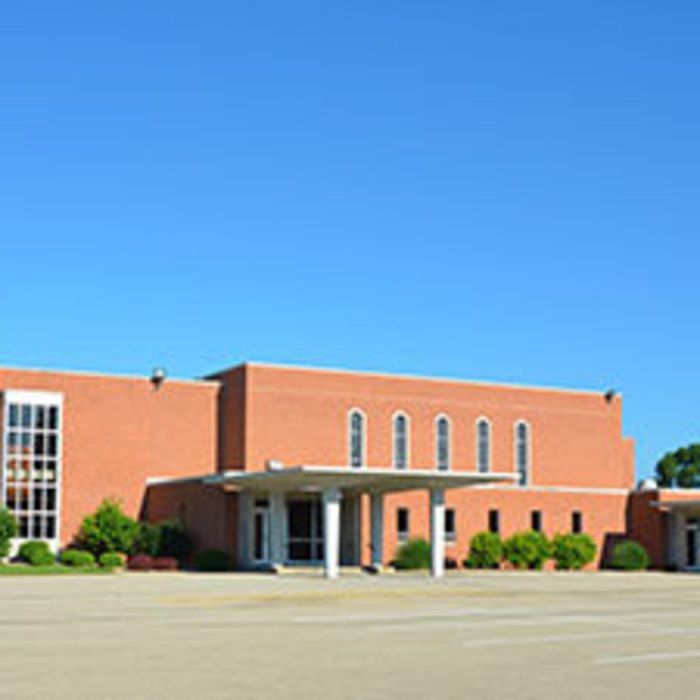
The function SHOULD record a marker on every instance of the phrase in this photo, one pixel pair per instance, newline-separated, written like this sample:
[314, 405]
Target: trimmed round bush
[140, 562]
[527, 550]
[165, 564]
[213, 560]
[485, 551]
[36, 553]
[629, 556]
[8, 530]
[111, 560]
[414, 554]
[573, 551]
[77, 557]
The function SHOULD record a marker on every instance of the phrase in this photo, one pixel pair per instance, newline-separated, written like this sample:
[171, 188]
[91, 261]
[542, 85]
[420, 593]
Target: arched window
[483, 445]
[442, 443]
[357, 438]
[522, 452]
[400, 441]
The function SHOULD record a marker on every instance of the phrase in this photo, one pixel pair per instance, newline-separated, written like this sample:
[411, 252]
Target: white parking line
[560, 638]
[643, 658]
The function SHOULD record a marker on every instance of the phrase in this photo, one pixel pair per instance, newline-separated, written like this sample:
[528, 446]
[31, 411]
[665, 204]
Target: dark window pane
[23, 523]
[576, 522]
[299, 518]
[536, 521]
[39, 444]
[50, 499]
[494, 521]
[52, 445]
[26, 416]
[40, 417]
[402, 521]
[51, 526]
[300, 551]
[53, 418]
[14, 415]
[37, 529]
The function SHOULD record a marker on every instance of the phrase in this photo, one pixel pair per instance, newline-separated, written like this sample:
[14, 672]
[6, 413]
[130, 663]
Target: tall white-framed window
[357, 438]
[483, 445]
[31, 461]
[442, 443]
[523, 449]
[400, 440]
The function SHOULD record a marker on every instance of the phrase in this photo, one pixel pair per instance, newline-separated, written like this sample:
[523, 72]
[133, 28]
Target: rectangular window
[536, 520]
[494, 521]
[450, 527]
[402, 524]
[31, 465]
[576, 522]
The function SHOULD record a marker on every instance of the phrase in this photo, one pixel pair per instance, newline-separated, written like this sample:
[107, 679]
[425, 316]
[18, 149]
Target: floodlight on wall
[158, 377]
[610, 394]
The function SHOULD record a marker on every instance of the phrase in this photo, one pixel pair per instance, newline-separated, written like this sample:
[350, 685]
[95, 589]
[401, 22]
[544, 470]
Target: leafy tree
[108, 529]
[680, 468]
[8, 530]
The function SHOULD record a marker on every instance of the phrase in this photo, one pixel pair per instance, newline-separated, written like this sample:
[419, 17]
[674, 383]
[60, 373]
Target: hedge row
[527, 550]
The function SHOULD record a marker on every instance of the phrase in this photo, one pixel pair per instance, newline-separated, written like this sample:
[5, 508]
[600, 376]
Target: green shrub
[414, 554]
[36, 553]
[147, 540]
[111, 560]
[527, 550]
[213, 560]
[485, 551]
[8, 530]
[629, 556]
[107, 530]
[164, 539]
[174, 540]
[573, 551]
[77, 557]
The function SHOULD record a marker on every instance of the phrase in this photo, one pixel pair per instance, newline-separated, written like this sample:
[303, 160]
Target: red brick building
[284, 466]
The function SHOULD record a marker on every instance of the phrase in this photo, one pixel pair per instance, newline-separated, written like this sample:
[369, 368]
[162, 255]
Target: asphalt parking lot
[482, 635]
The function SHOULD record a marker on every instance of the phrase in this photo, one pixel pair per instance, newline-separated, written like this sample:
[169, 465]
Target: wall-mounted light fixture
[158, 376]
[610, 394]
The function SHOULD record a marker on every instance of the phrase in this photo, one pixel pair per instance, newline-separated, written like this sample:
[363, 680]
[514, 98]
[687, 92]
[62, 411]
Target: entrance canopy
[353, 479]
[690, 506]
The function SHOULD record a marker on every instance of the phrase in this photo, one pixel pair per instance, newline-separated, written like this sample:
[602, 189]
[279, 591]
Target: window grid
[31, 466]
[483, 445]
[357, 438]
[400, 441]
[442, 440]
[522, 452]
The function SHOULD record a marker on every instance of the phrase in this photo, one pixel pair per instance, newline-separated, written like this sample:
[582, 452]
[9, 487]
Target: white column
[277, 515]
[437, 532]
[377, 529]
[331, 531]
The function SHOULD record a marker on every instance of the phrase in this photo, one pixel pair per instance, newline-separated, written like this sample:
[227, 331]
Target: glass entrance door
[304, 530]
[261, 532]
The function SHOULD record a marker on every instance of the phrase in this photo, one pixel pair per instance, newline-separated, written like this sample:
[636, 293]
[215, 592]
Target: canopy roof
[359, 479]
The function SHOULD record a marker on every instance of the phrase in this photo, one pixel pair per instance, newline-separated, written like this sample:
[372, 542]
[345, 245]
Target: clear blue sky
[503, 191]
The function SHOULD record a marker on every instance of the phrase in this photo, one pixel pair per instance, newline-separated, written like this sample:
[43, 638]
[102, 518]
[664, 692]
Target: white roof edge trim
[32, 396]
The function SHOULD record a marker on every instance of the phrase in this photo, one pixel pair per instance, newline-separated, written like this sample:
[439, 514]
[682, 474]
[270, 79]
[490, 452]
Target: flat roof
[109, 375]
[412, 377]
[379, 479]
